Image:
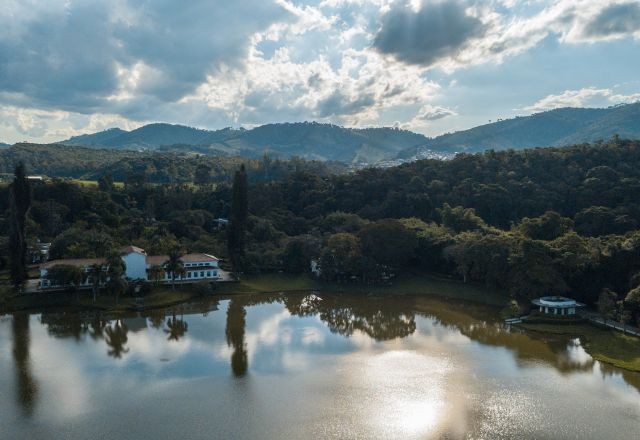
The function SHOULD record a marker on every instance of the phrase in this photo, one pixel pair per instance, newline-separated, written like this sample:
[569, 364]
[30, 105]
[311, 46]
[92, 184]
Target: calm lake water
[304, 366]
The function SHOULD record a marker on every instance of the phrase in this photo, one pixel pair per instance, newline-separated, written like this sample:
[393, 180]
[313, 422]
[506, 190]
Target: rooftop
[559, 302]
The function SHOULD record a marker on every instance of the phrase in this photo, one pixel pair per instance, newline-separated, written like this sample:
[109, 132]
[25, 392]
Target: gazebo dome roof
[557, 302]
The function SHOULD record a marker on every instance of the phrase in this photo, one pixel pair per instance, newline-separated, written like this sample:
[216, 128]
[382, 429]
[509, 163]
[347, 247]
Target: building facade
[140, 267]
[557, 305]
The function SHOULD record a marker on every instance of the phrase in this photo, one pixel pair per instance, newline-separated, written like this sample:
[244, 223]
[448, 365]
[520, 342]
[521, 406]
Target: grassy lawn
[604, 345]
[405, 285]
[268, 283]
[94, 183]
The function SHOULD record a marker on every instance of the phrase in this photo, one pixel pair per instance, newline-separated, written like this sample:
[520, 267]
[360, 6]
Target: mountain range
[312, 140]
[553, 128]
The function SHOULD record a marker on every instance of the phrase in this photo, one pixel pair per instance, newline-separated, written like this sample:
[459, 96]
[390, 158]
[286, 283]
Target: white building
[141, 267]
[557, 305]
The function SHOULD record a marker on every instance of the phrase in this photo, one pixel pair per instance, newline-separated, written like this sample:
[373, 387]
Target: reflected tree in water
[27, 388]
[65, 324]
[97, 327]
[116, 339]
[236, 321]
[156, 318]
[176, 328]
[380, 318]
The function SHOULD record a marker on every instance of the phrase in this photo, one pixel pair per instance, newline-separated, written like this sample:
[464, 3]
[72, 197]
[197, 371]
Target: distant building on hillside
[141, 267]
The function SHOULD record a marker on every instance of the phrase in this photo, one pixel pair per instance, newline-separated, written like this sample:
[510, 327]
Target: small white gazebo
[557, 305]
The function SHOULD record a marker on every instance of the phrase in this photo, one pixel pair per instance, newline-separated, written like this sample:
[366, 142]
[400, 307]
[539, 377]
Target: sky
[69, 67]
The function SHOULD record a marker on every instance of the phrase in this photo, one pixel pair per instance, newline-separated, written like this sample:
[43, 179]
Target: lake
[304, 366]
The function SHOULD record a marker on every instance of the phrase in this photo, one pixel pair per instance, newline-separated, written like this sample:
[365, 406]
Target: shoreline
[612, 348]
[267, 284]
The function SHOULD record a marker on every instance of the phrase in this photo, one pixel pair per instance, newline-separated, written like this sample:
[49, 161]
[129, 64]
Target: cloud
[432, 32]
[425, 116]
[614, 21]
[70, 66]
[462, 33]
[586, 97]
[431, 113]
[82, 56]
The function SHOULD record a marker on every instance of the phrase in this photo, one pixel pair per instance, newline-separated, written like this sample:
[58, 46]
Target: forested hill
[328, 142]
[563, 126]
[534, 222]
[55, 160]
[307, 140]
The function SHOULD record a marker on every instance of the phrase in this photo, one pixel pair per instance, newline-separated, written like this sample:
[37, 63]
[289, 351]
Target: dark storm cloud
[436, 31]
[338, 104]
[614, 20]
[66, 54]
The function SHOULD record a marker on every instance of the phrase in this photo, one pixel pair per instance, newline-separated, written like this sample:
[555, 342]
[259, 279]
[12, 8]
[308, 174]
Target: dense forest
[532, 222]
[151, 167]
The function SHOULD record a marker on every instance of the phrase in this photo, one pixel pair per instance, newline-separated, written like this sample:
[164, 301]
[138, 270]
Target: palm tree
[174, 266]
[77, 276]
[156, 273]
[115, 269]
[98, 276]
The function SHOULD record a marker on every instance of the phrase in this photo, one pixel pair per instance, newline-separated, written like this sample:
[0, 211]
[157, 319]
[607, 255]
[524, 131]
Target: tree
[19, 203]
[174, 266]
[461, 219]
[116, 269]
[298, 253]
[607, 304]
[202, 174]
[388, 242]
[105, 183]
[547, 227]
[98, 276]
[156, 273]
[237, 230]
[341, 256]
[66, 275]
[625, 318]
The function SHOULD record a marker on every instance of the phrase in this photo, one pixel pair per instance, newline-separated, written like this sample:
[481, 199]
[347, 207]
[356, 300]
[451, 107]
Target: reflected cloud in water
[348, 366]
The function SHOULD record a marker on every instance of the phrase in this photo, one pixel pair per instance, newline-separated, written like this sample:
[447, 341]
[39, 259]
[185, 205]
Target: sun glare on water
[409, 393]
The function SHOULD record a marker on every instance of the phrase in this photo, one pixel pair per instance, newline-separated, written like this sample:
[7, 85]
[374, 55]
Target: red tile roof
[129, 249]
[79, 262]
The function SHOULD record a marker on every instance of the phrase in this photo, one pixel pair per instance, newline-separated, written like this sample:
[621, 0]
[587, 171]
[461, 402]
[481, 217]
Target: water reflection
[116, 338]
[27, 388]
[381, 318]
[176, 328]
[350, 366]
[234, 330]
[97, 326]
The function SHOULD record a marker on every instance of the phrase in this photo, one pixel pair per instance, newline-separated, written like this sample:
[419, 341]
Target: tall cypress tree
[238, 220]
[19, 203]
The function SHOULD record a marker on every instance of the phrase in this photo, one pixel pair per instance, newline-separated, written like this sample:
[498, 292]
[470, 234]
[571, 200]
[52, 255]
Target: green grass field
[94, 183]
[405, 285]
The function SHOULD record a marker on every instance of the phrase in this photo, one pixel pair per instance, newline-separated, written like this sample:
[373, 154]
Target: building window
[215, 273]
[208, 274]
[188, 274]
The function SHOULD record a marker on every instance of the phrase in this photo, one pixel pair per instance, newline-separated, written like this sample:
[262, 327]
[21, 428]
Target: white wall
[136, 266]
